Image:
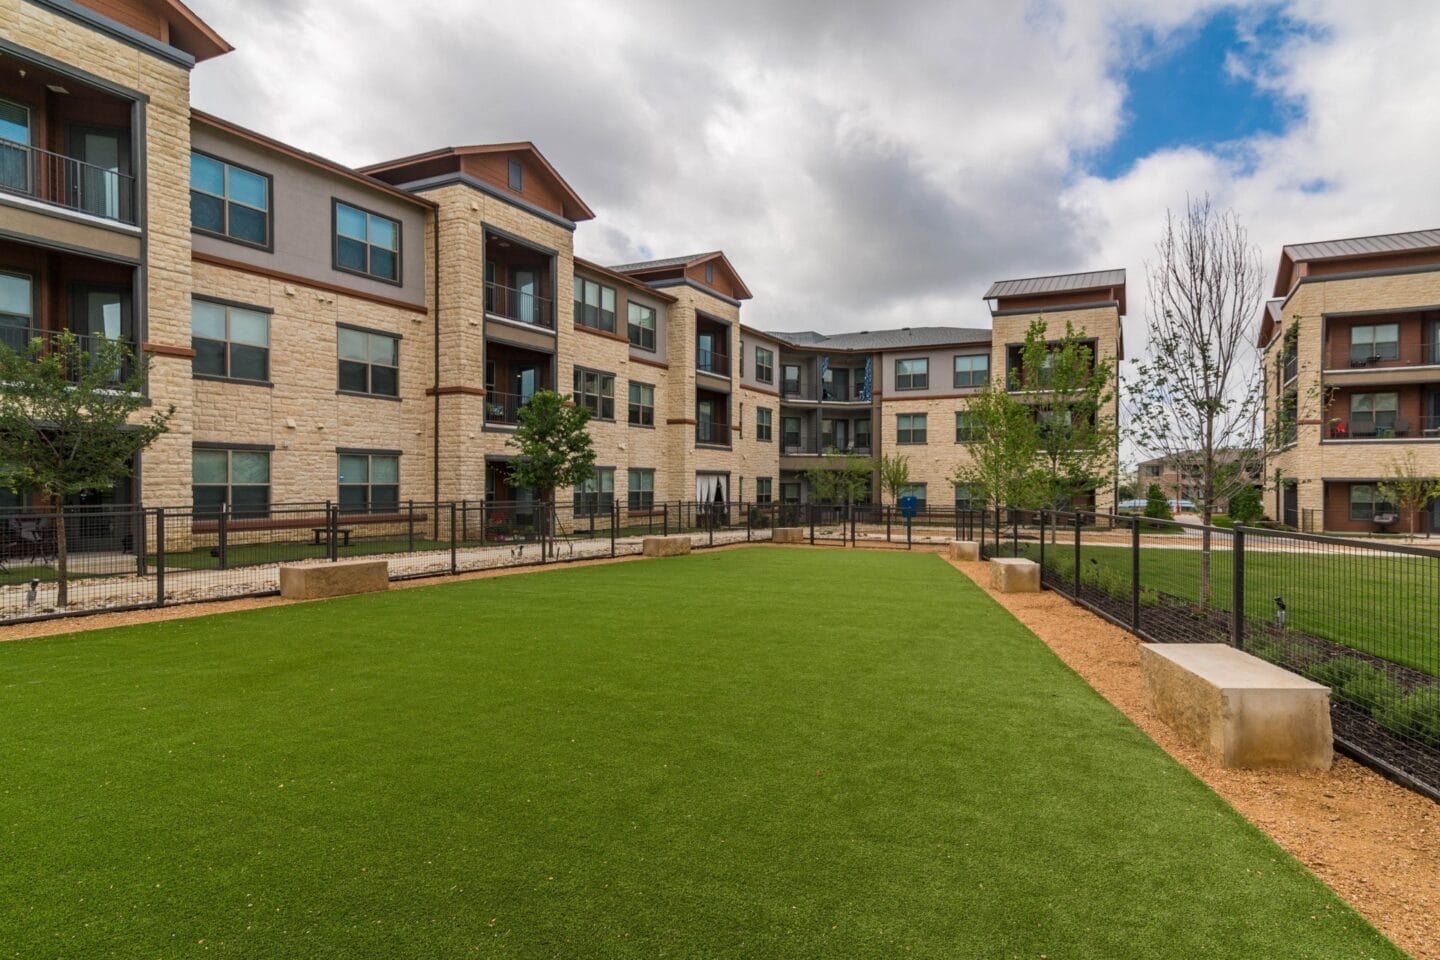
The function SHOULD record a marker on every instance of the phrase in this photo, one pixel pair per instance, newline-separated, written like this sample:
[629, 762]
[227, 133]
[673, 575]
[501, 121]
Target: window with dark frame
[596, 391]
[594, 305]
[229, 201]
[640, 323]
[916, 490]
[640, 489]
[968, 427]
[710, 272]
[972, 370]
[642, 404]
[369, 362]
[515, 175]
[965, 499]
[764, 365]
[910, 427]
[596, 495]
[764, 489]
[1374, 341]
[1366, 502]
[369, 482]
[366, 243]
[790, 492]
[912, 374]
[764, 424]
[229, 341]
[236, 480]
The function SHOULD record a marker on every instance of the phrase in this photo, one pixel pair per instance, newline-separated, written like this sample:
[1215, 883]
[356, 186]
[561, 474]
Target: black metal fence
[1361, 617]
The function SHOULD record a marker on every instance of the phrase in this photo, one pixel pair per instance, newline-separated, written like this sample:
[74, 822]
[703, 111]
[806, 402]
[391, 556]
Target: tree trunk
[62, 557]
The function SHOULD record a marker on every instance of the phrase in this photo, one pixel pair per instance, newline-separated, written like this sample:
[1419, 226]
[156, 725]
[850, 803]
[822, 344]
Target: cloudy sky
[868, 164]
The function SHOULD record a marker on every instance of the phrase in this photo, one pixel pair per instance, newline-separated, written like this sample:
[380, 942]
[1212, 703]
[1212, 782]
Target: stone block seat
[314, 581]
[1241, 710]
[673, 546]
[788, 535]
[1014, 575]
[964, 550]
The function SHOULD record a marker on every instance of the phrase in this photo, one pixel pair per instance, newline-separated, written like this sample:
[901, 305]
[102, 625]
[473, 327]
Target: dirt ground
[1375, 843]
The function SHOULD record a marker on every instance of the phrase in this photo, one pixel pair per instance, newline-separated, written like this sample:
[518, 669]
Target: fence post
[1135, 574]
[332, 524]
[887, 524]
[140, 542]
[222, 543]
[614, 523]
[1015, 532]
[464, 519]
[1077, 554]
[412, 526]
[747, 522]
[665, 520]
[159, 556]
[810, 509]
[454, 560]
[1042, 546]
[711, 525]
[851, 508]
[1237, 587]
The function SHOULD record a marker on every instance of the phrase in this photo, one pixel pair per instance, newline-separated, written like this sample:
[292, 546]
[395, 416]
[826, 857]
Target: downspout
[435, 279]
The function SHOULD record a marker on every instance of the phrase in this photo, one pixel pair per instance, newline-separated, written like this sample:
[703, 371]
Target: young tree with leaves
[68, 423]
[840, 478]
[555, 450]
[1408, 487]
[1003, 448]
[894, 470]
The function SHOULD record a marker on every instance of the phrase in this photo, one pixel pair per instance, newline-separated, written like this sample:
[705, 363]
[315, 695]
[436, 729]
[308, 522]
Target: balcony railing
[1343, 355]
[522, 306]
[716, 434]
[792, 445]
[792, 390]
[504, 407]
[18, 338]
[1290, 368]
[843, 393]
[713, 361]
[66, 182]
[1384, 427]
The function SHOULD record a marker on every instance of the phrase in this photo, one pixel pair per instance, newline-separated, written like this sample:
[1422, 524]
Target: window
[764, 365]
[764, 489]
[596, 391]
[640, 491]
[912, 374]
[965, 499]
[367, 243]
[229, 201]
[972, 370]
[369, 362]
[515, 175]
[369, 482]
[862, 436]
[642, 404]
[1373, 413]
[230, 342]
[594, 305]
[641, 323]
[968, 427]
[910, 428]
[596, 495]
[17, 304]
[790, 492]
[14, 154]
[710, 272]
[1373, 342]
[916, 490]
[790, 379]
[238, 479]
[1366, 502]
[790, 433]
[764, 424]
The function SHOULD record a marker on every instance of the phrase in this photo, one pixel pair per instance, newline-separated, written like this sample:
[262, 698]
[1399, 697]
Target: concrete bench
[964, 550]
[788, 535]
[314, 581]
[665, 546]
[1243, 711]
[1014, 575]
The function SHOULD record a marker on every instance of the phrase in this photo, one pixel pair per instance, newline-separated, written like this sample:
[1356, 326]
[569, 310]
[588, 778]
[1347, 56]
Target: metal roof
[1057, 284]
[661, 264]
[1363, 246]
[904, 338]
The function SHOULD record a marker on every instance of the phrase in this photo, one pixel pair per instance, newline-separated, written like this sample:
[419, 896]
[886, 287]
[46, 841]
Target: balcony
[19, 338]
[712, 434]
[1417, 353]
[710, 359]
[844, 391]
[66, 182]
[1382, 427]
[796, 445]
[520, 304]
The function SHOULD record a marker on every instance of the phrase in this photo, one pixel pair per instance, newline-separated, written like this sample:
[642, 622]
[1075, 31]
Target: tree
[1196, 396]
[1069, 391]
[555, 449]
[1408, 488]
[894, 474]
[68, 424]
[1156, 506]
[1003, 447]
[1246, 506]
[841, 478]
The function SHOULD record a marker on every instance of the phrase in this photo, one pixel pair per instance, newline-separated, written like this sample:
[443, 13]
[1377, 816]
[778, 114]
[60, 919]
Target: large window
[17, 304]
[764, 424]
[916, 490]
[764, 365]
[910, 428]
[968, 427]
[1366, 502]
[596, 495]
[230, 478]
[229, 201]
[14, 144]
[764, 489]
[230, 341]
[965, 499]
[367, 243]
[369, 362]
[640, 489]
[642, 404]
[1374, 342]
[912, 374]
[1373, 413]
[596, 391]
[641, 323]
[369, 482]
[594, 305]
[972, 370]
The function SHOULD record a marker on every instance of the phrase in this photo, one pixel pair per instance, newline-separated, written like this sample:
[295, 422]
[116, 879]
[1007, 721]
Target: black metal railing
[1354, 615]
[522, 306]
[504, 407]
[1383, 427]
[843, 393]
[712, 360]
[19, 338]
[1343, 355]
[66, 181]
[717, 434]
[794, 390]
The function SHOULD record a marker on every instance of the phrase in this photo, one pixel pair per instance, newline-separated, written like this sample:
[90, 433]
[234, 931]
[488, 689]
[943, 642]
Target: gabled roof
[684, 263]
[1060, 283]
[190, 33]
[1377, 245]
[574, 207]
[618, 277]
[1270, 322]
[903, 338]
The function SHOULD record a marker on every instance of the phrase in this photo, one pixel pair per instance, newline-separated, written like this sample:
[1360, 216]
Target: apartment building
[1352, 377]
[369, 336]
[1182, 476]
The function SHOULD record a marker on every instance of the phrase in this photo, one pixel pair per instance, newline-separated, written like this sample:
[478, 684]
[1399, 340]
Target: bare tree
[1197, 395]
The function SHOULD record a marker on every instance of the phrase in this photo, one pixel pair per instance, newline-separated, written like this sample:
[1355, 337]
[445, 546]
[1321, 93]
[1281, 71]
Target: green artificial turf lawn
[754, 753]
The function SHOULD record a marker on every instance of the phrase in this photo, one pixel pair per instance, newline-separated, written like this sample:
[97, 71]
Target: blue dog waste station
[909, 506]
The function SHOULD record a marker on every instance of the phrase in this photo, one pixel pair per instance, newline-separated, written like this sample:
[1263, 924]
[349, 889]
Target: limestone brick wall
[934, 462]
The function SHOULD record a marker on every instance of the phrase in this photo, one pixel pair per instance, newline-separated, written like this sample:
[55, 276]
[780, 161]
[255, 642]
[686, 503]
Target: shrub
[1340, 671]
[1371, 691]
[1417, 716]
[1156, 506]
[1222, 520]
[1246, 506]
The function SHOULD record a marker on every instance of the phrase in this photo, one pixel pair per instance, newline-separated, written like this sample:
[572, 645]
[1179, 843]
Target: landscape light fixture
[1280, 613]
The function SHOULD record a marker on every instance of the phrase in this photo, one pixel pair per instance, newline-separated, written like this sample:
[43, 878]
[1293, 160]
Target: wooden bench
[1243, 711]
[342, 532]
